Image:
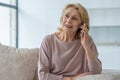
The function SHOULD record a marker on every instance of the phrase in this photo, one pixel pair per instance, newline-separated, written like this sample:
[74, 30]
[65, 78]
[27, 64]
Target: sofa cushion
[106, 74]
[36, 75]
[17, 64]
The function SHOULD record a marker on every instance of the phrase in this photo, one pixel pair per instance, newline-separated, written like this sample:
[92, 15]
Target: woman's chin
[67, 30]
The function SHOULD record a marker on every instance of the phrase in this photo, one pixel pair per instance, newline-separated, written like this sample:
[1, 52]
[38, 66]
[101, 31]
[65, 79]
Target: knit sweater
[58, 58]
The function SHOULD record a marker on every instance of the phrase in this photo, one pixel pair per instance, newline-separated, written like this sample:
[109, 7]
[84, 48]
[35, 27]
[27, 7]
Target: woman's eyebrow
[76, 16]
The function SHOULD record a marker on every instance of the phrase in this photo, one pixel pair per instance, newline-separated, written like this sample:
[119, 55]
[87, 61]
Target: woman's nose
[69, 19]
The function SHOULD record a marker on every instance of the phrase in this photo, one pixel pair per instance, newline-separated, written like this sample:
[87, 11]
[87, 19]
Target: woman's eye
[74, 18]
[67, 16]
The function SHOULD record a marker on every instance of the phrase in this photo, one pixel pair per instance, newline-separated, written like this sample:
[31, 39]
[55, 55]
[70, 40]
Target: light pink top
[58, 58]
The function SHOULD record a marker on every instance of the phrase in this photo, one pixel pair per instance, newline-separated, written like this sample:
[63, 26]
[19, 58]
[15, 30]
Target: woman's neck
[66, 37]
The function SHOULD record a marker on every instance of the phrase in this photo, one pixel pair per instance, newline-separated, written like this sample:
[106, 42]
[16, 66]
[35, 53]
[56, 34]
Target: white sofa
[21, 64]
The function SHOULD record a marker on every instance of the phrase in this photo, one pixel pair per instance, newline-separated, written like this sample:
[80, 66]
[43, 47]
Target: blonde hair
[82, 11]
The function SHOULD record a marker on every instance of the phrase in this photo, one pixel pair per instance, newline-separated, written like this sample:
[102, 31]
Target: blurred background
[24, 23]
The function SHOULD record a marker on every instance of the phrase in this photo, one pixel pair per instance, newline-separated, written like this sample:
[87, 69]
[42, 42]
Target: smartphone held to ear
[79, 30]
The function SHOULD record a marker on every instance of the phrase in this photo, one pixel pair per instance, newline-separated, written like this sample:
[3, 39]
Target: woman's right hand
[81, 75]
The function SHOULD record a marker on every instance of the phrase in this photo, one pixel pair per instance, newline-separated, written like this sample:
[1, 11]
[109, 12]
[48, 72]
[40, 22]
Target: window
[9, 22]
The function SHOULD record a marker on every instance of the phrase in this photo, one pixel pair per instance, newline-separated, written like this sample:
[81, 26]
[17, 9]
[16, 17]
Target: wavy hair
[83, 15]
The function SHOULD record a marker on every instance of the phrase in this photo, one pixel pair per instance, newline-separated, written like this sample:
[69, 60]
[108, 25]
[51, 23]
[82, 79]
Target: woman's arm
[44, 71]
[44, 63]
[94, 63]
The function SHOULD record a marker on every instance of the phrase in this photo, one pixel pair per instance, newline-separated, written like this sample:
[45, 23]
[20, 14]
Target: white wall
[38, 18]
[31, 23]
[110, 56]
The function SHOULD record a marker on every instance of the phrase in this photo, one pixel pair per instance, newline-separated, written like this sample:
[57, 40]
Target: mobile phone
[79, 30]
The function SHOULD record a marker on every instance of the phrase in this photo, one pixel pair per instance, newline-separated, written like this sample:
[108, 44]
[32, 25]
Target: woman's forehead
[72, 10]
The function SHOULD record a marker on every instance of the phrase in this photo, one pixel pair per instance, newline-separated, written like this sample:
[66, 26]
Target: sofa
[21, 64]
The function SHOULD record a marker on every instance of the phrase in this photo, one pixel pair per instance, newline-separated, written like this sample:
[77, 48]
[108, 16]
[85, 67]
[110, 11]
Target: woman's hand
[81, 75]
[84, 36]
[68, 78]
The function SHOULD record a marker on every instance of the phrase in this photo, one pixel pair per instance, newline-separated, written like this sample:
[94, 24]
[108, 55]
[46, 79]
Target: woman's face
[71, 20]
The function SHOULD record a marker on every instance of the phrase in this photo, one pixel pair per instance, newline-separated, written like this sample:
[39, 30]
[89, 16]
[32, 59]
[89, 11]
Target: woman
[70, 52]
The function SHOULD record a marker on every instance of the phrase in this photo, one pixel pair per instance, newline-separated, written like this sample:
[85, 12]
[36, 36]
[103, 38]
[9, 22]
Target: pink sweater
[58, 58]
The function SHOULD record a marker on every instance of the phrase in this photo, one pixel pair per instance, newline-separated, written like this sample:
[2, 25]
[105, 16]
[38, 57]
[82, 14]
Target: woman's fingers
[84, 27]
[82, 34]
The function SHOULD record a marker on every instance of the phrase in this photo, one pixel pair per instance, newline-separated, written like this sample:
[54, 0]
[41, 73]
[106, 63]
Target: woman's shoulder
[48, 38]
[91, 40]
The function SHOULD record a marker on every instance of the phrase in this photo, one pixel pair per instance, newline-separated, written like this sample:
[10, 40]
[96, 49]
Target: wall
[31, 23]
[38, 18]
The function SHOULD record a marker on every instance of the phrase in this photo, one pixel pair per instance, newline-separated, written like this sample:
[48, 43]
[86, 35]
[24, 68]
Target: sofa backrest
[18, 64]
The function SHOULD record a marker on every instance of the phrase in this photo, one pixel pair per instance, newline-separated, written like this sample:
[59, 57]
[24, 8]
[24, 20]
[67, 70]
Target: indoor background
[37, 18]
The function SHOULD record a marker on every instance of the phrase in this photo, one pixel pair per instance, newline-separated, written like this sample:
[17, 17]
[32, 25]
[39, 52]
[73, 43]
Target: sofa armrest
[106, 74]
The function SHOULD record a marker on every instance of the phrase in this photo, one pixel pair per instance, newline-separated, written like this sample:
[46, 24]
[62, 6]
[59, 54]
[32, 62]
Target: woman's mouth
[68, 26]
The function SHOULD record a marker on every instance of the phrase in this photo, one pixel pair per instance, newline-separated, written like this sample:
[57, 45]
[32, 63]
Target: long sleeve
[58, 59]
[94, 65]
[44, 64]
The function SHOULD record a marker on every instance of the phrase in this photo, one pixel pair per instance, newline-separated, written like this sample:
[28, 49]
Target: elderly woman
[70, 52]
